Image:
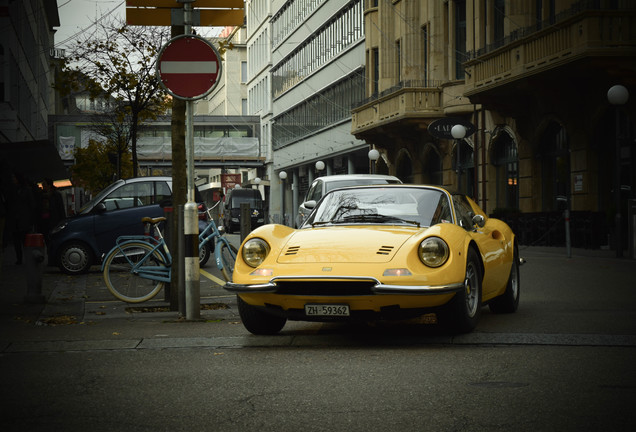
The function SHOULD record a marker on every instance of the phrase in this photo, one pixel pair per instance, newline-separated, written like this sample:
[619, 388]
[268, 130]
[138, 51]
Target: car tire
[464, 310]
[258, 322]
[508, 302]
[75, 258]
[204, 255]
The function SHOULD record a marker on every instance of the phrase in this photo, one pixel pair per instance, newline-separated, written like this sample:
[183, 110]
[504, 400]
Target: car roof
[402, 185]
[153, 178]
[337, 177]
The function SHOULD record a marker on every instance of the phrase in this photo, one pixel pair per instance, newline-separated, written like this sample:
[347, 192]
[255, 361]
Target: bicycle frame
[212, 233]
[158, 245]
[162, 274]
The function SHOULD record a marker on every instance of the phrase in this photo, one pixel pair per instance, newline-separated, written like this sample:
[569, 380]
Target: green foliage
[96, 165]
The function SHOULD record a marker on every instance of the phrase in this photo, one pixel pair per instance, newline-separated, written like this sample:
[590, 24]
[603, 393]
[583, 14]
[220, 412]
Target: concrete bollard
[34, 266]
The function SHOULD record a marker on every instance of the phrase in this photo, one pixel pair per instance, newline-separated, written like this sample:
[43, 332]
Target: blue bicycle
[136, 269]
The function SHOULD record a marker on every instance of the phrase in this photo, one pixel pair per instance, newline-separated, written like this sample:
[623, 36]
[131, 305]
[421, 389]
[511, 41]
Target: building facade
[27, 70]
[306, 69]
[532, 77]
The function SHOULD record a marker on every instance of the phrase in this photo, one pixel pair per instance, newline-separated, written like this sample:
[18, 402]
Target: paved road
[84, 362]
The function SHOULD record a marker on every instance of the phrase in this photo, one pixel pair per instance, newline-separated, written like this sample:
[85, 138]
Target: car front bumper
[367, 286]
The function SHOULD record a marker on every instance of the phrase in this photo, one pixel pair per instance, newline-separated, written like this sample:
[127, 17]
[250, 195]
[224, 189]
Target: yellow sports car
[379, 252]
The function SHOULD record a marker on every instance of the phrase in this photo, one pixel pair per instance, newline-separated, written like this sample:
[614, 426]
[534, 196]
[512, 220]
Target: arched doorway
[505, 158]
[404, 167]
[432, 165]
[466, 170]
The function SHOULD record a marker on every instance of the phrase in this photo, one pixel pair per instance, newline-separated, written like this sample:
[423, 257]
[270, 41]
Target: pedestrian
[52, 211]
[21, 216]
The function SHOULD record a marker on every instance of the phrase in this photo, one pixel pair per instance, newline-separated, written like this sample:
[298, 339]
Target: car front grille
[325, 288]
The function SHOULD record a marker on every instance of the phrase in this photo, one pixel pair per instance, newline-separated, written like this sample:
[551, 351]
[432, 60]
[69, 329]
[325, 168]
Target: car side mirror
[100, 208]
[479, 220]
[310, 204]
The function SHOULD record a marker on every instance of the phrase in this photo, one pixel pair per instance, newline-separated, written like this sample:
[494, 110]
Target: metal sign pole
[190, 216]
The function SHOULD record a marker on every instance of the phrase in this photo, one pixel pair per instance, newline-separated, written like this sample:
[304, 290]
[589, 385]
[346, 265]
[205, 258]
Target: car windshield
[100, 196]
[381, 205]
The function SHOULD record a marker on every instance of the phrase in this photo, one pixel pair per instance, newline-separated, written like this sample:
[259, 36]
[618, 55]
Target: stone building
[532, 77]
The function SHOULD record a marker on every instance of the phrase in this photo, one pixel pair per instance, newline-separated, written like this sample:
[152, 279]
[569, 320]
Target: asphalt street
[586, 300]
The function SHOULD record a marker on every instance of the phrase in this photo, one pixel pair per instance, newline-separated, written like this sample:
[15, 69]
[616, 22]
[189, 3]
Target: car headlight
[255, 251]
[433, 251]
[59, 227]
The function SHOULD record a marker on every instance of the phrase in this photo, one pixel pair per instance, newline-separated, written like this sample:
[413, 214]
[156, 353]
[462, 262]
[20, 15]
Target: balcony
[410, 100]
[576, 35]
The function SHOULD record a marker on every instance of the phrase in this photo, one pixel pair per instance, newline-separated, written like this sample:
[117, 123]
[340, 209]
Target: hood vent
[385, 250]
[293, 250]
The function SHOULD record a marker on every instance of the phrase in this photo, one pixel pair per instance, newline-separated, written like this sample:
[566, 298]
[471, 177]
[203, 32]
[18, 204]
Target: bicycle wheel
[228, 258]
[122, 282]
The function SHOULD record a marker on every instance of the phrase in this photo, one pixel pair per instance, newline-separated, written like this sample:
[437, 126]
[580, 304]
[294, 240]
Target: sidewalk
[82, 303]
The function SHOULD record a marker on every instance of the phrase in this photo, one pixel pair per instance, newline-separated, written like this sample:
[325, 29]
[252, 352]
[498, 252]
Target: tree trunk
[179, 188]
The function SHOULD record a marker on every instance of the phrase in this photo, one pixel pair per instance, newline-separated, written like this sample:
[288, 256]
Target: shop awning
[36, 160]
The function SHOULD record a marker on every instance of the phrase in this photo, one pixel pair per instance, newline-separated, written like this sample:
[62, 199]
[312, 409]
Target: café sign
[441, 128]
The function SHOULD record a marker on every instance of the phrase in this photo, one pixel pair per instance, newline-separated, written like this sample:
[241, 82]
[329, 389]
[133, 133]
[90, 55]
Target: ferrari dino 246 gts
[375, 253]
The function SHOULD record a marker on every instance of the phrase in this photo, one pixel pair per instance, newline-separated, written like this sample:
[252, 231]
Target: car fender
[76, 233]
[276, 237]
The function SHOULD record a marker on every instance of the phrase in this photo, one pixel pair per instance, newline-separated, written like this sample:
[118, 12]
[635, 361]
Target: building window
[375, 57]
[555, 165]
[398, 61]
[337, 35]
[243, 72]
[460, 38]
[325, 109]
[506, 161]
[425, 54]
[498, 25]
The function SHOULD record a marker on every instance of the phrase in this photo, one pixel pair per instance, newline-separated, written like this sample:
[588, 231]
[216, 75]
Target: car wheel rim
[471, 287]
[514, 281]
[74, 259]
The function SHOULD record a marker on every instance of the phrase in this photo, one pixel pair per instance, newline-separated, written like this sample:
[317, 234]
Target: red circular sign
[189, 67]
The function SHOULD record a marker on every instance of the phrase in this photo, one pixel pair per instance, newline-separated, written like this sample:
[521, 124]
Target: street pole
[190, 213]
[282, 175]
[618, 95]
[458, 132]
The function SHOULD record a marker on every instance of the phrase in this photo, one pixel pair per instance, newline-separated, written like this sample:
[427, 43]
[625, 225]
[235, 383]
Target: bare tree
[120, 62]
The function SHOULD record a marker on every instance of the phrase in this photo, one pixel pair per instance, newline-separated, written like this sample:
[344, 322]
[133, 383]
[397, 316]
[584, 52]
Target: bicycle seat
[154, 221]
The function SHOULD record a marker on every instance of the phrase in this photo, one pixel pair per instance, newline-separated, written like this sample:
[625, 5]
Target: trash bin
[34, 267]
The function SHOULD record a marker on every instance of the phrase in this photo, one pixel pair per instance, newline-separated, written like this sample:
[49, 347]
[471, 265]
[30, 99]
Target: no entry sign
[189, 67]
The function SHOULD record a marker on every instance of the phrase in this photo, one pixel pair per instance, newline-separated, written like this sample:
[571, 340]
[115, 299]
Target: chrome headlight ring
[433, 252]
[254, 251]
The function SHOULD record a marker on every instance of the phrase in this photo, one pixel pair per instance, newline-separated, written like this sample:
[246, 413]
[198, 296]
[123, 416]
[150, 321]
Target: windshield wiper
[375, 218]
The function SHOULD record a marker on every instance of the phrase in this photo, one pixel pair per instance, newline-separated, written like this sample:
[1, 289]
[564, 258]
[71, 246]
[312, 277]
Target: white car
[322, 185]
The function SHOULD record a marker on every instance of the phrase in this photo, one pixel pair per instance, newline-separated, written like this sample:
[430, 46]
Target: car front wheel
[75, 258]
[464, 309]
[258, 322]
[508, 302]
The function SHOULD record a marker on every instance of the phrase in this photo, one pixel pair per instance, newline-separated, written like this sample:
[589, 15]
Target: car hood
[345, 244]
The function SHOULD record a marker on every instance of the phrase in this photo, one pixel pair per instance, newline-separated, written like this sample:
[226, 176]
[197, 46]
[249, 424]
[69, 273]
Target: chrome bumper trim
[377, 288]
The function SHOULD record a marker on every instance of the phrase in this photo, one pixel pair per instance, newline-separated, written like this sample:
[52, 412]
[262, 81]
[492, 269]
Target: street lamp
[320, 165]
[374, 155]
[282, 176]
[458, 132]
[618, 95]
